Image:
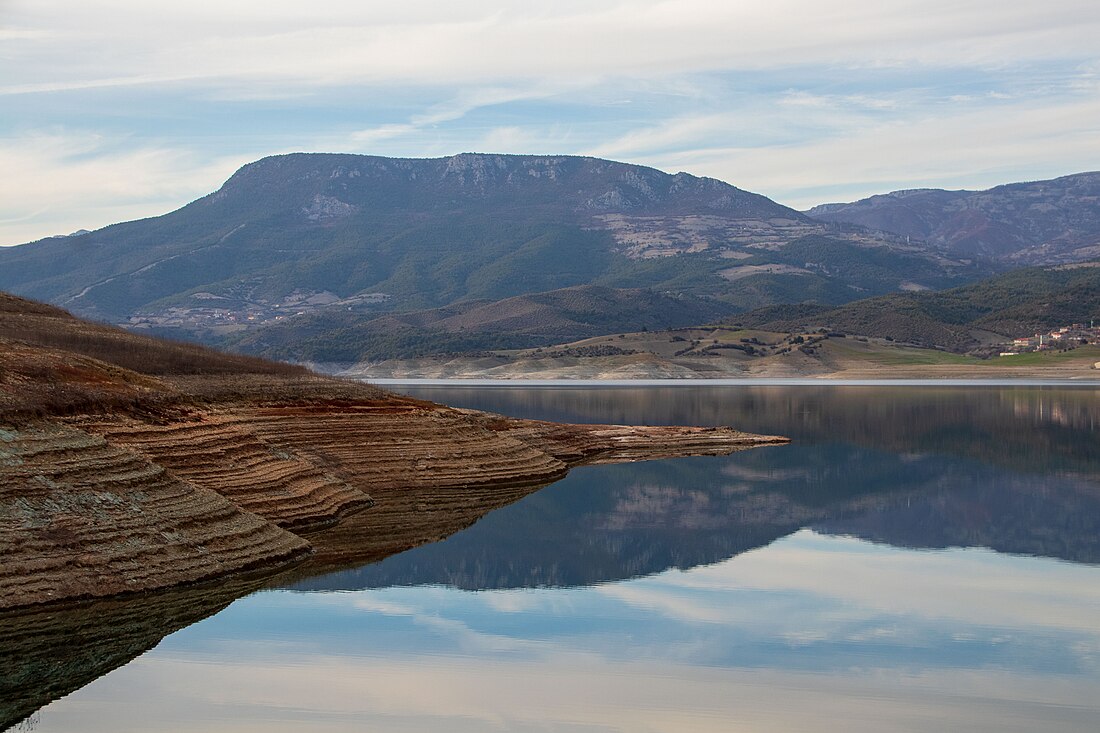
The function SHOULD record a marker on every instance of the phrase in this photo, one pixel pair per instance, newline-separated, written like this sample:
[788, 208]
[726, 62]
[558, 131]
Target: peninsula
[130, 464]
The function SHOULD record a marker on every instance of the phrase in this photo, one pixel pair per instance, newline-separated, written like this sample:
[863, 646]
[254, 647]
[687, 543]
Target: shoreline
[260, 492]
[114, 504]
[520, 383]
[132, 465]
[654, 357]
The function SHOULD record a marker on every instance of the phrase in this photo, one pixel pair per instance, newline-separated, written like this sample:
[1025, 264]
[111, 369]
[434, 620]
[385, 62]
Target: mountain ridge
[409, 234]
[1027, 223]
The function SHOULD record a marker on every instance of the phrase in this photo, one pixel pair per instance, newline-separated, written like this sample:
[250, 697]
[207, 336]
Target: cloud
[452, 109]
[434, 691]
[800, 100]
[974, 587]
[69, 180]
[370, 42]
[972, 143]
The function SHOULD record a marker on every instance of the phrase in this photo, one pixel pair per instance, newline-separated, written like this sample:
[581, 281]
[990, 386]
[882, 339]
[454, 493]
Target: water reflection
[919, 559]
[619, 522]
[813, 632]
[999, 470]
[46, 654]
[1027, 428]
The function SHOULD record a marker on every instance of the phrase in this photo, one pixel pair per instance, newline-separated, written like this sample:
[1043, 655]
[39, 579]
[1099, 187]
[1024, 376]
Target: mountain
[526, 320]
[1037, 223]
[312, 233]
[1017, 303]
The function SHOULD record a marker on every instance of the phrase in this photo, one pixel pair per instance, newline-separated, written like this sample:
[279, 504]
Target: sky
[113, 110]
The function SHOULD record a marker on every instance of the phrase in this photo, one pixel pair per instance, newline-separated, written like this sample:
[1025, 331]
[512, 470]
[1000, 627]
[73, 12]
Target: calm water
[920, 559]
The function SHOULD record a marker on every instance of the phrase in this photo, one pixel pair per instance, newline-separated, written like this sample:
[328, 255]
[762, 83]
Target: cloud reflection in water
[812, 631]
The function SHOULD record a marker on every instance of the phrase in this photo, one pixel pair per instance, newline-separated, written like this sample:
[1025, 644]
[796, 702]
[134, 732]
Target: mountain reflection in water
[788, 588]
[1014, 470]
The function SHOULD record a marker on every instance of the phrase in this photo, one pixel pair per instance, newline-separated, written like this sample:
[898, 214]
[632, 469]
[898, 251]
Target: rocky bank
[115, 480]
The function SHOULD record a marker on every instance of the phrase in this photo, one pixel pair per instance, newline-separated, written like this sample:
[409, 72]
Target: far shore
[522, 383]
[832, 360]
[990, 375]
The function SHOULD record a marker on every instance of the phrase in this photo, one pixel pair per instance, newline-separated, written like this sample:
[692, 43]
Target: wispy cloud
[83, 180]
[966, 143]
[366, 42]
[802, 100]
[452, 109]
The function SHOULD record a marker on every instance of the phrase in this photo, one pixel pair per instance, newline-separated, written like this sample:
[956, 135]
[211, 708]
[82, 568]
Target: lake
[920, 558]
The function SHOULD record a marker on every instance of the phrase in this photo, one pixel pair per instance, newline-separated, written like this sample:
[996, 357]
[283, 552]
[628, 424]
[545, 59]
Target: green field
[901, 356]
[1089, 353]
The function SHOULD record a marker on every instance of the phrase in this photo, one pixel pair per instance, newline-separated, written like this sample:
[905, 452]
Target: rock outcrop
[222, 454]
[94, 505]
[130, 465]
[82, 518]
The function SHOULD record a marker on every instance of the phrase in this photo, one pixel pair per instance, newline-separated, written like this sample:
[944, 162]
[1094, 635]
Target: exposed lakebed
[920, 558]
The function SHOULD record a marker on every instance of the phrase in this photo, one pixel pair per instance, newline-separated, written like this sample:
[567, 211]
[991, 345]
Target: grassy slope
[708, 354]
[529, 320]
[1015, 304]
[36, 324]
[53, 363]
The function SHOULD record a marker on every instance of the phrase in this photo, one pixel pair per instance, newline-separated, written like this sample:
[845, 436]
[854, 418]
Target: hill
[311, 233]
[724, 352]
[38, 324]
[908, 335]
[522, 321]
[1037, 223]
[1015, 304]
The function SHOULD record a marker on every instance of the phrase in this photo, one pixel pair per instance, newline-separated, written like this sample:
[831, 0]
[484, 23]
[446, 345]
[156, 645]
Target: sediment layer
[434, 471]
[82, 518]
[593, 444]
[222, 454]
[114, 482]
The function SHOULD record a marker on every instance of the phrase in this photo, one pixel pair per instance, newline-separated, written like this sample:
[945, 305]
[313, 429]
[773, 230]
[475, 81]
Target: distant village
[1060, 339]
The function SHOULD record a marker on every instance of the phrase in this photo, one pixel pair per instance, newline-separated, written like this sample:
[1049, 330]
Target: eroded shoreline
[117, 503]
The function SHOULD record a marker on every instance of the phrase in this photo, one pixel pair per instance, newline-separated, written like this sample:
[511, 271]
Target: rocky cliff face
[82, 518]
[562, 183]
[95, 506]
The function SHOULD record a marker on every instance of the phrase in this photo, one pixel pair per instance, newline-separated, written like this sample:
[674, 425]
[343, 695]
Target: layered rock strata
[81, 518]
[117, 503]
[222, 454]
[129, 464]
[434, 471]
